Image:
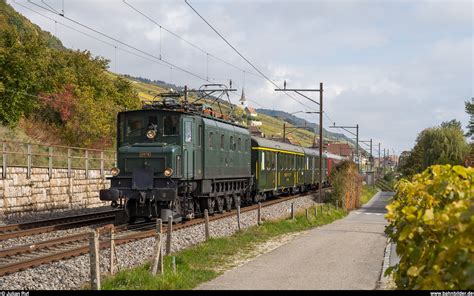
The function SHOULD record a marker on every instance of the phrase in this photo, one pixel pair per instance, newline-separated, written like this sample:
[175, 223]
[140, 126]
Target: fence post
[238, 217]
[69, 162]
[292, 211]
[87, 163]
[50, 162]
[28, 169]
[206, 223]
[157, 266]
[259, 214]
[112, 250]
[315, 212]
[173, 263]
[307, 214]
[94, 259]
[102, 164]
[4, 159]
[168, 236]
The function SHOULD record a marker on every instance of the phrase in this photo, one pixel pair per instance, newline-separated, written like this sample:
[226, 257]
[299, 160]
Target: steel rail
[125, 234]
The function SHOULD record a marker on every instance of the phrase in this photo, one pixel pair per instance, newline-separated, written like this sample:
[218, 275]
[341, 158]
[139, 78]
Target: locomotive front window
[134, 127]
[170, 125]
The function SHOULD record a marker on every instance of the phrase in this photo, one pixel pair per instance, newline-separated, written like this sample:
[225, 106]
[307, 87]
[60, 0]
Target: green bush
[432, 222]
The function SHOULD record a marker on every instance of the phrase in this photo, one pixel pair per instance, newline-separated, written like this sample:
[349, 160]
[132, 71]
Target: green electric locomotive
[175, 161]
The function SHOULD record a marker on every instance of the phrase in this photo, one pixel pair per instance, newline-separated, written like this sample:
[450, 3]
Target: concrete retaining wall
[20, 195]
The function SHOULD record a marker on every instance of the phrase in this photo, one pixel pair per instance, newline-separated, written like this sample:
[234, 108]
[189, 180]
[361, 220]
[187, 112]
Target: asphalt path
[346, 254]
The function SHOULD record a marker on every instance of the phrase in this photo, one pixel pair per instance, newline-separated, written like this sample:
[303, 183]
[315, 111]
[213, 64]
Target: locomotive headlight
[168, 172]
[151, 134]
[115, 171]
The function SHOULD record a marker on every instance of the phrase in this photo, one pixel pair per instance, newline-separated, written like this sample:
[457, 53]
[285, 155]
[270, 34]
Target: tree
[444, 144]
[470, 111]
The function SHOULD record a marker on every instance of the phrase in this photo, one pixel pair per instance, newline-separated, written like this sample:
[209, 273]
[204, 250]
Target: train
[176, 159]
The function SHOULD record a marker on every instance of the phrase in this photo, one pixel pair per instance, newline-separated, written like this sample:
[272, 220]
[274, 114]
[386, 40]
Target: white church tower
[243, 100]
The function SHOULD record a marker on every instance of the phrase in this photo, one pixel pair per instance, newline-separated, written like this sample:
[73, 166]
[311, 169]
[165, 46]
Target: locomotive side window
[211, 134]
[200, 136]
[188, 132]
[231, 143]
[222, 141]
[239, 143]
[170, 125]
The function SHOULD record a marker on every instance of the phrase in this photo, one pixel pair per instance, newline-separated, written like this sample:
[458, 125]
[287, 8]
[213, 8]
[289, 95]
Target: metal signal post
[356, 138]
[320, 103]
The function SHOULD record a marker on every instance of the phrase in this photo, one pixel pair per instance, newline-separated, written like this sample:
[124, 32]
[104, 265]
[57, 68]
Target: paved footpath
[346, 254]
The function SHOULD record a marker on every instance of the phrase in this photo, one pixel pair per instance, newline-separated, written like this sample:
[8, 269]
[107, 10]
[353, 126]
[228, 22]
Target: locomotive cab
[150, 146]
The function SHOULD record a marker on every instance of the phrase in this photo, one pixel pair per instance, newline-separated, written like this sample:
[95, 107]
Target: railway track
[49, 225]
[28, 256]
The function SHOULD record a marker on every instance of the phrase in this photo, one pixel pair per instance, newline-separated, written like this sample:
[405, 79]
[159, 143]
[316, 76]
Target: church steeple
[243, 99]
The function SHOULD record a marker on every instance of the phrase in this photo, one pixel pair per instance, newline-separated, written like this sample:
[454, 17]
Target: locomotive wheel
[228, 202]
[210, 205]
[236, 200]
[220, 204]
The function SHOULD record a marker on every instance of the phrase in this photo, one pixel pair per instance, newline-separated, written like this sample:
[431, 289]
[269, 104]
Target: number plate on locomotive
[144, 154]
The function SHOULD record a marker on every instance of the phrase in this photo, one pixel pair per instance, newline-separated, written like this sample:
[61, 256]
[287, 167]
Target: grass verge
[204, 261]
[368, 192]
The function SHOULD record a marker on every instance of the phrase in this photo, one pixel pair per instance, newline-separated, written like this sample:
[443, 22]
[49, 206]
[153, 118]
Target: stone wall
[20, 195]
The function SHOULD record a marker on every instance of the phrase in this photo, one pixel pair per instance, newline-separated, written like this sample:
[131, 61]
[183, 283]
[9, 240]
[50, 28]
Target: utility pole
[320, 103]
[356, 134]
[371, 156]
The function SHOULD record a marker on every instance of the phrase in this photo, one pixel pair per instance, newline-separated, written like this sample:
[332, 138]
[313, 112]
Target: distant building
[255, 123]
[251, 111]
[255, 131]
[342, 149]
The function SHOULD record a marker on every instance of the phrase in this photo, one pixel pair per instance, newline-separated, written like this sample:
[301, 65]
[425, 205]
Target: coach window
[222, 141]
[239, 143]
[170, 125]
[263, 161]
[231, 143]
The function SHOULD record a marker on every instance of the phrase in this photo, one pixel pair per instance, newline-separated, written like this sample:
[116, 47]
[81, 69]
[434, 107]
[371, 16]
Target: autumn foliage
[346, 185]
[432, 223]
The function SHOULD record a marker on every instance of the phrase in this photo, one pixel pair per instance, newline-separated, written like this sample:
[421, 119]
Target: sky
[393, 67]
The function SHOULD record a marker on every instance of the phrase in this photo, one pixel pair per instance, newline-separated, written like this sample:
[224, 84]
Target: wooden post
[157, 263]
[321, 209]
[69, 162]
[4, 160]
[259, 214]
[102, 164]
[29, 162]
[87, 163]
[307, 214]
[157, 266]
[94, 259]
[50, 162]
[173, 263]
[206, 223]
[112, 250]
[238, 217]
[292, 211]
[315, 212]
[168, 236]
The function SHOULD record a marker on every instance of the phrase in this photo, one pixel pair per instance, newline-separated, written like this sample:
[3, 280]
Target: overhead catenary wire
[244, 58]
[208, 54]
[121, 42]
